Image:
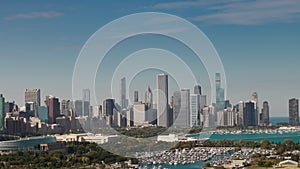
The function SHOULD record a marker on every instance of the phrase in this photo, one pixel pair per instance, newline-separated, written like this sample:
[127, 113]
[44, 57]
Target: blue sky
[257, 41]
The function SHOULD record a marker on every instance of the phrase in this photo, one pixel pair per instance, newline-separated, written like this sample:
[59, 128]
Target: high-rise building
[129, 117]
[33, 95]
[183, 118]
[226, 117]
[197, 89]
[254, 99]
[202, 101]
[9, 107]
[31, 109]
[66, 107]
[136, 96]
[250, 114]
[43, 113]
[78, 107]
[162, 101]
[124, 100]
[139, 113]
[86, 102]
[108, 110]
[2, 112]
[208, 117]
[53, 108]
[219, 94]
[265, 114]
[241, 114]
[195, 110]
[148, 98]
[176, 105]
[294, 112]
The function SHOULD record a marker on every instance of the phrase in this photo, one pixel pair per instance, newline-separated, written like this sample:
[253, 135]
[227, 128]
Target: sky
[258, 43]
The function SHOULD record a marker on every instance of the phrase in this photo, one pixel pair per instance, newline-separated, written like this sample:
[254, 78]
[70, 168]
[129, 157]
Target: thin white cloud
[33, 15]
[253, 13]
[239, 12]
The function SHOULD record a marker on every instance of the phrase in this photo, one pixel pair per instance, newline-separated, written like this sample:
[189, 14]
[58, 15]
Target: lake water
[272, 137]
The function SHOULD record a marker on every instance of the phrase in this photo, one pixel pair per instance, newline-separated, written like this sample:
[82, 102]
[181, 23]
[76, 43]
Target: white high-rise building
[195, 110]
[163, 118]
[139, 113]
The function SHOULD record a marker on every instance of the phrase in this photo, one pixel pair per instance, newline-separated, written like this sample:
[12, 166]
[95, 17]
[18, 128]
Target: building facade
[294, 112]
[162, 101]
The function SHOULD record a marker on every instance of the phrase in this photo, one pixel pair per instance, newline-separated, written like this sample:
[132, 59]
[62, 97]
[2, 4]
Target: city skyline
[259, 51]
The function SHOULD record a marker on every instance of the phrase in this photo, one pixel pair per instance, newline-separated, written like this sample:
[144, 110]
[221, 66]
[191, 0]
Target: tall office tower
[197, 89]
[183, 118]
[108, 110]
[2, 112]
[265, 114]
[148, 98]
[139, 113]
[219, 94]
[129, 117]
[208, 117]
[78, 107]
[254, 99]
[86, 108]
[294, 112]
[162, 101]
[33, 95]
[136, 96]
[53, 108]
[195, 110]
[176, 105]
[86, 102]
[202, 101]
[226, 117]
[124, 100]
[66, 107]
[241, 114]
[32, 109]
[43, 113]
[250, 114]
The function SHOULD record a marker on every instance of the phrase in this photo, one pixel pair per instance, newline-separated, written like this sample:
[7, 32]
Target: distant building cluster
[184, 109]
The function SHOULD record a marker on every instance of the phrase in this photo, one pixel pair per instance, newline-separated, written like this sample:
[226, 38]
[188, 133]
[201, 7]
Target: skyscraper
[254, 99]
[66, 107]
[265, 114]
[183, 118]
[197, 89]
[86, 102]
[219, 93]
[124, 101]
[176, 105]
[136, 96]
[33, 95]
[108, 110]
[241, 114]
[294, 112]
[53, 108]
[2, 112]
[148, 98]
[250, 114]
[195, 110]
[162, 101]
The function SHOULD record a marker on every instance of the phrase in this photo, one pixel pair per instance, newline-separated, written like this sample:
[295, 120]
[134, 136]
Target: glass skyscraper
[163, 118]
[219, 93]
